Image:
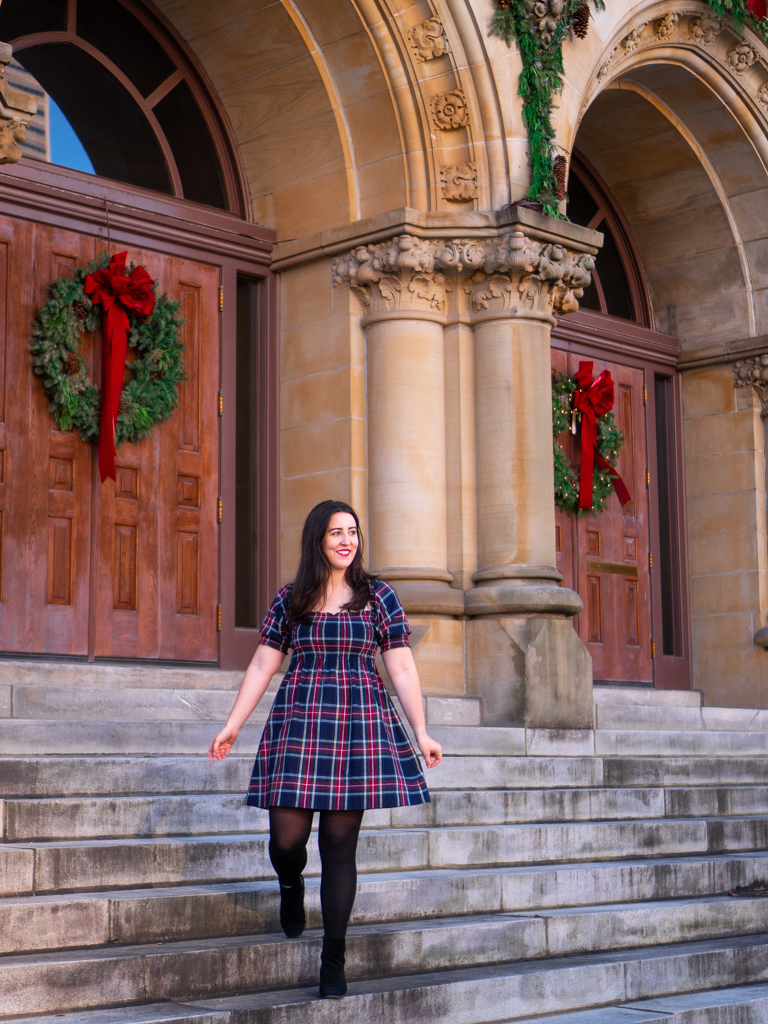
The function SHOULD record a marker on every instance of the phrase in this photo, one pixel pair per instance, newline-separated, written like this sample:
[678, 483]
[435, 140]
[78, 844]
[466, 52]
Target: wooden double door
[128, 568]
[605, 558]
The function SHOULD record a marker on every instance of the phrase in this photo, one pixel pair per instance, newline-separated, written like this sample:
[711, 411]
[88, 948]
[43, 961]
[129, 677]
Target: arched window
[618, 285]
[129, 95]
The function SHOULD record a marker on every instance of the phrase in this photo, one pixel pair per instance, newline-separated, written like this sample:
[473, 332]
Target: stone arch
[671, 108]
[672, 120]
[345, 111]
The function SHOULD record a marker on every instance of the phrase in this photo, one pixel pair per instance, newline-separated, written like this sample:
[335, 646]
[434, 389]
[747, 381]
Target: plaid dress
[333, 740]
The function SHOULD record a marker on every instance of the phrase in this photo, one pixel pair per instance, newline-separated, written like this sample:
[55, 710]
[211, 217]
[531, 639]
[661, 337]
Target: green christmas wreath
[610, 441]
[150, 393]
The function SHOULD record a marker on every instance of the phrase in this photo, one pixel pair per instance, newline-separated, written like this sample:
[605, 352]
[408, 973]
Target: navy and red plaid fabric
[333, 740]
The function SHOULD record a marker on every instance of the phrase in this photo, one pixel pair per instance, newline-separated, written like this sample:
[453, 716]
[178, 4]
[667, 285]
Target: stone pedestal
[523, 657]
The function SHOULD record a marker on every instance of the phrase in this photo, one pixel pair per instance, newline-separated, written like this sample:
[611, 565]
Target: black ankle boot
[292, 916]
[333, 984]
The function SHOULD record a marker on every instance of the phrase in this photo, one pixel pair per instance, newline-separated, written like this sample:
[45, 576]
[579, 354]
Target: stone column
[404, 295]
[524, 657]
[16, 111]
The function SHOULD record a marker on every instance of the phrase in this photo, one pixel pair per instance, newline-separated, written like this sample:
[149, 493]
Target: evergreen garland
[741, 15]
[150, 393]
[610, 441]
[540, 80]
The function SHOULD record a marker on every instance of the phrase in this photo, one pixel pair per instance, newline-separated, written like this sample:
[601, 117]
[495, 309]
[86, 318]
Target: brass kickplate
[618, 568]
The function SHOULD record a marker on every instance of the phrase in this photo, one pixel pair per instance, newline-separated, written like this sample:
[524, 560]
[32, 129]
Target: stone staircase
[582, 878]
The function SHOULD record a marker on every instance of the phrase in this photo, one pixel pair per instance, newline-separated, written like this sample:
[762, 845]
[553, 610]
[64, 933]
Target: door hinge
[220, 403]
[220, 509]
[218, 618]
[221, 297]
[647, 478]
[653, 648]
[645, 394]
[650, 561]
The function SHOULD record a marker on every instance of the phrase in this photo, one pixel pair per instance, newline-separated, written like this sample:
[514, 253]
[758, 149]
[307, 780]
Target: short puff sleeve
[276, 628]
[392, 627]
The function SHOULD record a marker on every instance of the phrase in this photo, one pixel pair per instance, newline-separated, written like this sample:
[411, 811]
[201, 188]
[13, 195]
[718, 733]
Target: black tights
[289, 829]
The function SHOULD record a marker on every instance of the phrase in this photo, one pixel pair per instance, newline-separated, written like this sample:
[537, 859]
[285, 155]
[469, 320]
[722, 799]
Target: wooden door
[605, 557]
[156, 561]
[125, 570]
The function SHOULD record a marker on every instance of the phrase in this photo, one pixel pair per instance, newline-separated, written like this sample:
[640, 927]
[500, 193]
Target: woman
[333, 741]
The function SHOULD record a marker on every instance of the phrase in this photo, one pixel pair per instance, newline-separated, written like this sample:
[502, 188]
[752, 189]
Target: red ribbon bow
[594, 398]
[758, 8]
[117, 294]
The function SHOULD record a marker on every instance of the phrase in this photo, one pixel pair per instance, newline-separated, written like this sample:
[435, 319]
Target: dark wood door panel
[605, 557]
[128, 568]
[158, 543]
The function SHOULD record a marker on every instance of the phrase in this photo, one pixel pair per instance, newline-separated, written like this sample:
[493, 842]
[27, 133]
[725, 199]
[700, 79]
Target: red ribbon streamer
[117, 294]
[594, 398]
[758, 8]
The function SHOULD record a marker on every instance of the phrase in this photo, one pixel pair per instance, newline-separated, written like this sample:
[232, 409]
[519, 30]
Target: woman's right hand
[221, 744]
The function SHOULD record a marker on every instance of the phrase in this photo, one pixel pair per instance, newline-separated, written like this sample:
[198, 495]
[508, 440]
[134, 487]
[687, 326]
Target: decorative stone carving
[631, 41]
[449, 110]
[741, 57]
[428, 40]
[753, 372]
[16, 111]
[705, 29]
[666, 26]
[511, 272]
[459, 181]
[605, 67]
[546, 16]
[762, 96]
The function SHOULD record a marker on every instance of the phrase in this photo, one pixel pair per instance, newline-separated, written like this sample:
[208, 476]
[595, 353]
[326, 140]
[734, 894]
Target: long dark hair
[314, 570]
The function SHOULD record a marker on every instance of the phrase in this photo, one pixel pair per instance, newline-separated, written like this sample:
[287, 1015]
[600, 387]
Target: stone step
[206, 968]
[742, 1004]
[102, 776]
[478, 995]
[186, 912]
[41, 819]
[126, 863]
[646, 695]
[621, 716]
[210, 967]
[104, 675]
[104, 817]
[110, 736]
[669, 743]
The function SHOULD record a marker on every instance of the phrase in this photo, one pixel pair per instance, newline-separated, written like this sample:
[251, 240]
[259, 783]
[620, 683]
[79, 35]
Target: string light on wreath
[145, 387]
[582, 405]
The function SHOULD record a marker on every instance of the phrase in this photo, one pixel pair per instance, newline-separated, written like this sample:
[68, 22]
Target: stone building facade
[380, 145]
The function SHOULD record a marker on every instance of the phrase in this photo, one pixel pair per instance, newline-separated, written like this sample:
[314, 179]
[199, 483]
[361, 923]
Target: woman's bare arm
[405, 678]
[265, 662]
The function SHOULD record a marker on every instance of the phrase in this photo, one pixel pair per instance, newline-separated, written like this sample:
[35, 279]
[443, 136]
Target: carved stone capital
[509, 273]
[753, 372]
[16, 111]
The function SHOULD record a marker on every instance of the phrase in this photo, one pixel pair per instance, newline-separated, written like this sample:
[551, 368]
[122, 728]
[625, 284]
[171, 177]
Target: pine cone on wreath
[79, 309]
[71, 365]
[123, 407]
[503, 5]
[145, 319]
[560, 171]
[580, 20]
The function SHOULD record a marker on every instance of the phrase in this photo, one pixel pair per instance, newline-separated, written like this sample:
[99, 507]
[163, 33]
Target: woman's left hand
[431, 751]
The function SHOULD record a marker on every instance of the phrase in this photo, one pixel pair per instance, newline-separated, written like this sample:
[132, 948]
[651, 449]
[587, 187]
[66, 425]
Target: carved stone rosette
[459, 181]
[16, 111]
[428, 40]
[449, 110]
[511, 272]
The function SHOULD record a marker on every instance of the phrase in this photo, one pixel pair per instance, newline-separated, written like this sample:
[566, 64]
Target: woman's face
[340, 541]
